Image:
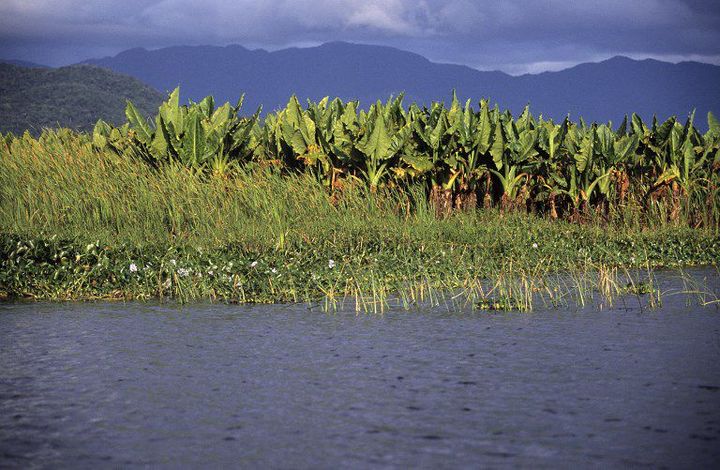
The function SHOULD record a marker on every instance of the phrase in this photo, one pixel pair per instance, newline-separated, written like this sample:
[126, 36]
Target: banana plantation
[464, 158]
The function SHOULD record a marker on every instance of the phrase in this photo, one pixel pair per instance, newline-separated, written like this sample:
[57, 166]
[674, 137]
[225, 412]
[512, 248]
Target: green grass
[73, 221]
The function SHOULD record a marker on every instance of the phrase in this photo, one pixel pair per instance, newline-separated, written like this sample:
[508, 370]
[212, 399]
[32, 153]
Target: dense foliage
[330, 200]
[463, 156]
[74, 97]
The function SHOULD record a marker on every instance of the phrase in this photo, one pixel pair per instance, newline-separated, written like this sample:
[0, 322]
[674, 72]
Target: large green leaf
[420, 163]
[221, 118]
[497, 149]
[101, 131]
[173, 114]
[525, 146]
[161, 140]
[377, 144]
[207, 106]
[439, 131]
[525, 120]
[138, 123]
[485, 131]
[193, 142]
[688, 159]
[584, 157]
[294, 138]
[713, 126]
[625, 147]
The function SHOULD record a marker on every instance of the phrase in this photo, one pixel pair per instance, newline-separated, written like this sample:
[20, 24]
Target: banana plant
[414, 163]
[379, 145]
[455, 150]
[586, 174]
[473, 137]
[199, 135]
[517, 150]
[685, 167]
[615, 152]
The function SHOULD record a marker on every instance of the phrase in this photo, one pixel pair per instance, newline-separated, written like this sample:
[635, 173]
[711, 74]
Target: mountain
[598, 91]
[349, 71]
[23, 63]
[75, 97]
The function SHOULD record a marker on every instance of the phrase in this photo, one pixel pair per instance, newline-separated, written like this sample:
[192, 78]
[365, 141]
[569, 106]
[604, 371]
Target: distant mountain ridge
[23, 63]
[75, 97]
[596, 91]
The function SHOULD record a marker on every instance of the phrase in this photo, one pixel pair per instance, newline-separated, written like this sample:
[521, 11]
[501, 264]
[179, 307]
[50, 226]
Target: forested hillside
[75, 97]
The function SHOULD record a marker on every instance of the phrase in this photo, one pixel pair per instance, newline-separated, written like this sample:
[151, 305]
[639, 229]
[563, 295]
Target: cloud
[515, 35]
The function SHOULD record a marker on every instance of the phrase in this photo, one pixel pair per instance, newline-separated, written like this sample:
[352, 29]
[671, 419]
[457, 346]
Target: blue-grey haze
[514, 36]
[596, 91]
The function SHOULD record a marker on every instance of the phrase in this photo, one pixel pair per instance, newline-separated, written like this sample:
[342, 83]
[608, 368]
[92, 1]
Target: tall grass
[383, 242]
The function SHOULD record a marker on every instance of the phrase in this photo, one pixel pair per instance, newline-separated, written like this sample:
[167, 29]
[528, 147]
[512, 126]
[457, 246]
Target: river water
[88, 385]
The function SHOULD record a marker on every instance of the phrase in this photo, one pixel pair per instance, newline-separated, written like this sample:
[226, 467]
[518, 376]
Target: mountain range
[33, 96]
[600, 91]
[23, 63]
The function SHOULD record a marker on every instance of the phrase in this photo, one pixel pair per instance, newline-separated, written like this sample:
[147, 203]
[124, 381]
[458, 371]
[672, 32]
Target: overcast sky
[515, 36]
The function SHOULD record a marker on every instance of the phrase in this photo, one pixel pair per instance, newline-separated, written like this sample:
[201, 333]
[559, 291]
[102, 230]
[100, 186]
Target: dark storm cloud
[512, 35]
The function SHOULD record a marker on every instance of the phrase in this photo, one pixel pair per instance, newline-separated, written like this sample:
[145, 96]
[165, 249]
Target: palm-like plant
[457, 151]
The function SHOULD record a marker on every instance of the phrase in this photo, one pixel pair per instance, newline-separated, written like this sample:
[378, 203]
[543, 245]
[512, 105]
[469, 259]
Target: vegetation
[460, 156]
[74, 97]
[327, 201]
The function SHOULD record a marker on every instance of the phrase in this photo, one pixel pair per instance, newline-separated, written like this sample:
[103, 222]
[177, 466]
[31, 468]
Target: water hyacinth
[382, 270]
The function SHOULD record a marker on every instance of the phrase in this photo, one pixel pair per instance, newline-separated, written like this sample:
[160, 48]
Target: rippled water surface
[106, 385]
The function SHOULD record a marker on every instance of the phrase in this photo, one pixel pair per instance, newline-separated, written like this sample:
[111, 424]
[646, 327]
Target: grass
[79, 224]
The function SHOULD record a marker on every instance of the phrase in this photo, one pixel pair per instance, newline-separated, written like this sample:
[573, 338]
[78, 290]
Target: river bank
[81, 224]
[486, 259]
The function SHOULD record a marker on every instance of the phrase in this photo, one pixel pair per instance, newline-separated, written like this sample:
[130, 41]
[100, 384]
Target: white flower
[331, 264]
[210, 272]
[173, 262]
[133, 268]
[535, 245]
[182, 272]
[253, 264]
[273, 270]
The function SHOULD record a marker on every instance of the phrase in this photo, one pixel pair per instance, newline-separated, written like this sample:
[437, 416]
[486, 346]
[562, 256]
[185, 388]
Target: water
[108, 385]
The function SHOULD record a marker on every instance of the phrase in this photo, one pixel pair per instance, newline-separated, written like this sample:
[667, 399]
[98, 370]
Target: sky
[515, 36]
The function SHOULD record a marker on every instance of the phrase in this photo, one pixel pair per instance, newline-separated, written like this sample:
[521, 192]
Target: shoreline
[56, 269]
[329, 201]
